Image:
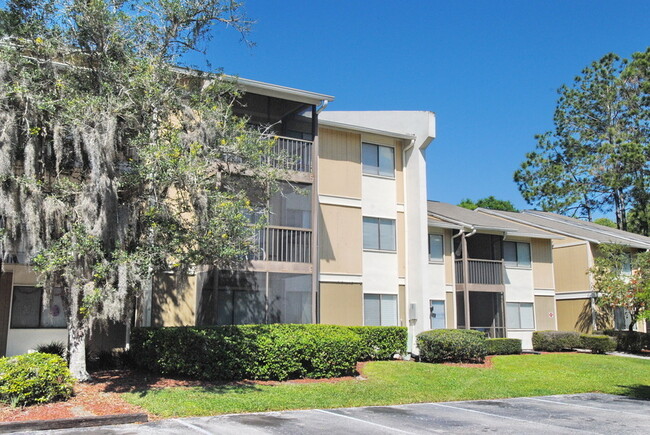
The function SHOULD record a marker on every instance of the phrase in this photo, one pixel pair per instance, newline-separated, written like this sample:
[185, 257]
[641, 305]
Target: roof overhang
[283, 92]
[357, 128]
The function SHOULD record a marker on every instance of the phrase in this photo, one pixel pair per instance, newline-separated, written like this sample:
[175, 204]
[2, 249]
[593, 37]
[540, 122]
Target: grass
[395, 382]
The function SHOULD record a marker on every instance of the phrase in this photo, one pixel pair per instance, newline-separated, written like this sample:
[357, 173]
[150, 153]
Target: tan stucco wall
[341, 243]
[542, 255]
[451, 312]
[449, 262]
[571, 265]
[574, 315]
[339, 163]
[401, 245]
[173, 301]
[543, 306]
[341, 304]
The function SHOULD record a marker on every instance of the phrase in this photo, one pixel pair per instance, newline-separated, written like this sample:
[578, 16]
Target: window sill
[383, 177]
[382, 251]
[436, 262]
[519, 267]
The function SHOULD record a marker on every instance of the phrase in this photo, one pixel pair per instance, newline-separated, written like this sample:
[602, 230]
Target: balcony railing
[293, 154]
[487, 272]
[284, 244]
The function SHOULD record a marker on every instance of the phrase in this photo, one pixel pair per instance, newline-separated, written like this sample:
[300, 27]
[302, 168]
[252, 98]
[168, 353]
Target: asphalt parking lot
[577, 413]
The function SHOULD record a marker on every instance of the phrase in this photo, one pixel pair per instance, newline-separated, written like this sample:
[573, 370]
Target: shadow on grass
[637, 391]
[142, 383]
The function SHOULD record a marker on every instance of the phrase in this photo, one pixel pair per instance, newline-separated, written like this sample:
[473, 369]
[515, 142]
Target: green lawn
[395, 382]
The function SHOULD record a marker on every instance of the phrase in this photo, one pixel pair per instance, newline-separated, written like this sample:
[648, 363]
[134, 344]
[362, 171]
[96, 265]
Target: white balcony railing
[293, 154]
[284, 244]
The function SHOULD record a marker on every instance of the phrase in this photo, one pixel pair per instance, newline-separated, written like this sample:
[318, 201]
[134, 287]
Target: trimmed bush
[34, 378]
[54, 348]
[555, 341]
[503, 346]
[627, 341]
[452, 345]
[597, 343]
[381, 342]
[264, 352]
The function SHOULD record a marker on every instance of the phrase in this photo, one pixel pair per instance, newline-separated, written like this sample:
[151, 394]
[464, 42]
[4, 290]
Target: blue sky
[488, 69]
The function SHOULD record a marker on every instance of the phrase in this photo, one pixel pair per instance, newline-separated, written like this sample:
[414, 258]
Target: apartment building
[573, 256]
[488, 274]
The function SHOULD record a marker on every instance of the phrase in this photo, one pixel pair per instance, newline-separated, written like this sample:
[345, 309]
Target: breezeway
[578, 413]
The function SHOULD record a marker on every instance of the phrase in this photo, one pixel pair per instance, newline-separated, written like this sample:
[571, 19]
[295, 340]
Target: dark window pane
[289, 298]
[26, 307]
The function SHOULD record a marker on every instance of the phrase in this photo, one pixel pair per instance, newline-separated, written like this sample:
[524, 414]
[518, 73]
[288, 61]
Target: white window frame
[381, 298]
[509, 318]
[370, 170]
[517, 264]
[368, 219]
[442, 249]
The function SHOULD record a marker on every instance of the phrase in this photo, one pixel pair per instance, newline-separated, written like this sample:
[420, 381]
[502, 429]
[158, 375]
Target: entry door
[438, 314]
[5, 300]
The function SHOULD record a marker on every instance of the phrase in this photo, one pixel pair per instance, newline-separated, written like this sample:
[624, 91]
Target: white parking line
[196, 428]
[392, 429]
[580, 406]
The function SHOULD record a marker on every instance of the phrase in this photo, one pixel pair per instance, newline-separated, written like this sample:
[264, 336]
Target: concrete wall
[571, 263]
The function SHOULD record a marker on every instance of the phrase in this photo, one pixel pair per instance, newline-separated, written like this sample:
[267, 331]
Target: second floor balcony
[480, 273]
[284, 244]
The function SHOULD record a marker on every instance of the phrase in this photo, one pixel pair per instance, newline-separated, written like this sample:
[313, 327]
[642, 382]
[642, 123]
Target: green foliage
[597, 343]
[489, 202]
[606, 222]
[503, 346]
[274, 351]
[555, 341]
[596, 159]
[619, 289]
[381, 342]
[452, 345]
[629, 341]
[53, 348]
[34, 378]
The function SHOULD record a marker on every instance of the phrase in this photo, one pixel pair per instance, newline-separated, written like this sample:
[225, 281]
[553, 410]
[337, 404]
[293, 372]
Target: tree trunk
[621, 221]
[77, 350]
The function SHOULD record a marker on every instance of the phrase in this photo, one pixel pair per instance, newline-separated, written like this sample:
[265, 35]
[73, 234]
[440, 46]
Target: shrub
[627, 341]
[597, 343]
[452, 345]
[503, 346]
[381, 342]
[247, 351]
[555, 341]
[34, 378]
[53, 348]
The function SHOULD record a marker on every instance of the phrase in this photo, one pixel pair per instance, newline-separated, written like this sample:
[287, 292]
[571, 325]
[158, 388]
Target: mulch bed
[101, 396]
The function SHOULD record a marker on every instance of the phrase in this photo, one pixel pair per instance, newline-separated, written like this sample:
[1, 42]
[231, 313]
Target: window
[378, 160]
[27, 310]
[437, 314]
[622, 319]
[516, 254]
[519, 315]
[379, 234]
[435, 247]
[379, 310]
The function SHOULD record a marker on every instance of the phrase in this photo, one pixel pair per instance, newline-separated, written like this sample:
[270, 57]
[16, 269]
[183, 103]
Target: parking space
[578, 413]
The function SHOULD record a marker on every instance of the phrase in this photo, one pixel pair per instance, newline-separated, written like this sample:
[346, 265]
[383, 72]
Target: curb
[68, 423]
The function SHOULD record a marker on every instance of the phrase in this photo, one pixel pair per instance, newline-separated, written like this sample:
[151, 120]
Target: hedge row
[503, 346]
[597, 343]
[555, 341]
[267, 352]
[34, 378]
[452, 345]
[627, 341]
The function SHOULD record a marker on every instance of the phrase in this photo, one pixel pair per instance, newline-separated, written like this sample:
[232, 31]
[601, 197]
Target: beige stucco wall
[339, 172]
[571, 264]
[341, 304]
[173, 301]
[341, 239]
[574, 315]
[542, 255]
[545, 312]
[451, 312]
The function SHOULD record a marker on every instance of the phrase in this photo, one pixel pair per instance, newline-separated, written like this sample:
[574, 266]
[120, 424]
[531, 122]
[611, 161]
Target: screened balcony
[293, 154]
[485, 272]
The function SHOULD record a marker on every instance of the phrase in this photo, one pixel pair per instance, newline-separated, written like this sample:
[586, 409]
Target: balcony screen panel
[371, 310]
[386, 161]
[526, 316]
[512, 316]
[370, 159]
[387, 234]
[370, 233]
[26, 307]
[241, 298]
[388, 308]
[290, 298]
[523, 254]
[291, 207]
